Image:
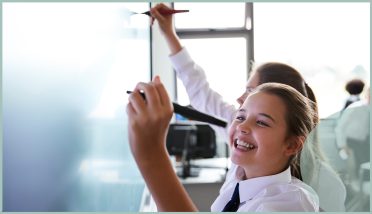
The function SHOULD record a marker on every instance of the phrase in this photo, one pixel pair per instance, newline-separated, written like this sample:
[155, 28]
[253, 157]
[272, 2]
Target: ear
[295, 144]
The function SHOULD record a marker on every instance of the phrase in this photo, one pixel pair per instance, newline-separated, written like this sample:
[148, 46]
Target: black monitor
[198, 139]
[191, 141]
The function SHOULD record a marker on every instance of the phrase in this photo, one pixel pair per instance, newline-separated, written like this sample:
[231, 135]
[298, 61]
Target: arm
[166, 26]
[148, 124]
[202, 97]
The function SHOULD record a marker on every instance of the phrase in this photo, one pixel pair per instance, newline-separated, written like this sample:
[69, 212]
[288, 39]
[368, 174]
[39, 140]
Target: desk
[204, 189]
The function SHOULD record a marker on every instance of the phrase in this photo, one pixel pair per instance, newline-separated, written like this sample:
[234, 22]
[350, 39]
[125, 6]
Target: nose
[244, 127]
[242, 98]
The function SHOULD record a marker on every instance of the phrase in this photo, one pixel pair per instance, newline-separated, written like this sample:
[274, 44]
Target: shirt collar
[251, 187]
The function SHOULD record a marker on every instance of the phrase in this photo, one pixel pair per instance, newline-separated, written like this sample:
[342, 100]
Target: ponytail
[310, 94]
[315, 144]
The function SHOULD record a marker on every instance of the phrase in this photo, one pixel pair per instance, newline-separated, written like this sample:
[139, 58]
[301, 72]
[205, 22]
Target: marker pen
[192, 114]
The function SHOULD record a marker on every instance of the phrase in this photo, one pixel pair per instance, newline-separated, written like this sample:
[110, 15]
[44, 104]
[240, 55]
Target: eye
[239, 118]
[262, 124]
[249, 89]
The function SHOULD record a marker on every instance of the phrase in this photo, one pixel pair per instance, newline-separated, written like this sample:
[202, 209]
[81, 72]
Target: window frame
[232, 32]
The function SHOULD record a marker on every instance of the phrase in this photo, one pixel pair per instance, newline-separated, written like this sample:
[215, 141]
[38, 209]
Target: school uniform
[204, 99]
[280, 192]
[353, 123]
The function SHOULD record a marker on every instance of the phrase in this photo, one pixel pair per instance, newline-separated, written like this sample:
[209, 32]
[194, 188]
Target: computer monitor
[191, 141]
[198, 139]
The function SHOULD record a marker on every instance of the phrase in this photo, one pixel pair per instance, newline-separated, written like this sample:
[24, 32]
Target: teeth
[244, 144]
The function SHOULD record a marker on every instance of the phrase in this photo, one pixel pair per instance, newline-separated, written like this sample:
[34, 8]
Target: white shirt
[353, 123]
[201, 96]
[204, 99]
[280, 192]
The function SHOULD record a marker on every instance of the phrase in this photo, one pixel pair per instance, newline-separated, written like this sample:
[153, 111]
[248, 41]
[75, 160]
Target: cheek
[232, 133]
[273, 143]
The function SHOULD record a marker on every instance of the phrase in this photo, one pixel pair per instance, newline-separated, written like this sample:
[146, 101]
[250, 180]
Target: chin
[236, 160]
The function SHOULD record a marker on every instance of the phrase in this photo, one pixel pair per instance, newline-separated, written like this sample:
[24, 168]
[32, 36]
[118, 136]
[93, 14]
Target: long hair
[299, 115]
[282, 73]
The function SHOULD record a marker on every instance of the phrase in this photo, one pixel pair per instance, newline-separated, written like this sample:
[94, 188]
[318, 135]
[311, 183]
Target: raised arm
[202, 97]
[148, 125]
[166, 26]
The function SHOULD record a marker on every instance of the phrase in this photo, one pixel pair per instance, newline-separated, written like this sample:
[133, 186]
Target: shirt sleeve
[354, 124]
[201, 96]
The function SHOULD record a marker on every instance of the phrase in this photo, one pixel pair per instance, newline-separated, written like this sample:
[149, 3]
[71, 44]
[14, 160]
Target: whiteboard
[66, 68]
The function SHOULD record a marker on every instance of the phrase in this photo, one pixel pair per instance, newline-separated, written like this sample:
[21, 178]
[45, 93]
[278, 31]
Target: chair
[361, 171]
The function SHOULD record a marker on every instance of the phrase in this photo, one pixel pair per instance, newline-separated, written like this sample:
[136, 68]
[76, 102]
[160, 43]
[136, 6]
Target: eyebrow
[268, 116]
[262, 114]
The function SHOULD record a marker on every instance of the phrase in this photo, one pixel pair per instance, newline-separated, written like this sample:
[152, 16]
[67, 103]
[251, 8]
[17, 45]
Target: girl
[267, 134]
[205, 99]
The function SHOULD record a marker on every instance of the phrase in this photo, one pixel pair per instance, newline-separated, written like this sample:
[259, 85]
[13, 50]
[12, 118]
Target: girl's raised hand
[165, 21]
[148, 120]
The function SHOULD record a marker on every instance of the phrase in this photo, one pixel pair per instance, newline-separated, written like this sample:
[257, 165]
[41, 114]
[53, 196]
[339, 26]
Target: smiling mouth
[244, 146]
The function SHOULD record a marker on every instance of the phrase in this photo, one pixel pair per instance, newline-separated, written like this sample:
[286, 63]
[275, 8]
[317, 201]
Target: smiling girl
[267, 134]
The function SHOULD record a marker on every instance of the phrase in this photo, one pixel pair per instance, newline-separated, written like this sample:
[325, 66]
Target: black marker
[167, 12]
[192, 114]
[141, 93]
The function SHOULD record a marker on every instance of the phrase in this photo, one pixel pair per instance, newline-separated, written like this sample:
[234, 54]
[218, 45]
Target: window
[217, 30]
[222, 67]
[329, 43]
[211, 16]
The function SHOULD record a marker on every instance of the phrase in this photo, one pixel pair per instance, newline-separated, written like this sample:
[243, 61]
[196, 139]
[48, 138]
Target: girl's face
[258, 136]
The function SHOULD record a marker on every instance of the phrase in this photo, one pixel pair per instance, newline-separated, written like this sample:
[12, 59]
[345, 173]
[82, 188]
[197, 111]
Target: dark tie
[233, 204]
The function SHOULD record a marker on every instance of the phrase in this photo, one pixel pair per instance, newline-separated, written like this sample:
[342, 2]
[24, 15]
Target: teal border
[370, 118]
[1, 44]
[1, 113]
